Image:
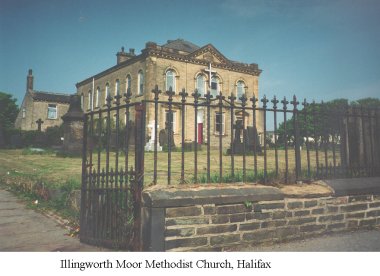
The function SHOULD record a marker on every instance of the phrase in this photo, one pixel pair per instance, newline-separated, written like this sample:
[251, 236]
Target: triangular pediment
[210, 54]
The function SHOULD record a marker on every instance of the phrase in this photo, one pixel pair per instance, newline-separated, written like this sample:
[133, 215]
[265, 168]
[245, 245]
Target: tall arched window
[240, 89]
[128, 82]
[90, 101]
[170, 80]
[82, 101]
[214, 89]
[140, 83]
[107, 92]
[97, 96]
[200, 84]
[117, 87]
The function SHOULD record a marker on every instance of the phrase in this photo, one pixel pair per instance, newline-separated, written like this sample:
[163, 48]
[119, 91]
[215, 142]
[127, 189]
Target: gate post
[140, 121]
[83, 208]
[296, 138]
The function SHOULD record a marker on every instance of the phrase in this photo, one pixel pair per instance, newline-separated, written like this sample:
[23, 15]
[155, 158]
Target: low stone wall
[214, 219]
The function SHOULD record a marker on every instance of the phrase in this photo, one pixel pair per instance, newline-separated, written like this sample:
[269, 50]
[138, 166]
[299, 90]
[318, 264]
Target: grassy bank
[44, 181]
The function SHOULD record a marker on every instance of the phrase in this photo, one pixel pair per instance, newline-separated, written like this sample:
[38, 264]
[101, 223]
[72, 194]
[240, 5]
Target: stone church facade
[178, 64]
[47, 107]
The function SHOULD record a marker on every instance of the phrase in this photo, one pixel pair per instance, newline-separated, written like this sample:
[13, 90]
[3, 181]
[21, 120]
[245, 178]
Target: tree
[8, 110]
[8, 114]
[321, 119]
[367, 102]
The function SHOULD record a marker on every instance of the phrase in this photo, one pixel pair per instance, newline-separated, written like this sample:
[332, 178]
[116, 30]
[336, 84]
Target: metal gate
[112, 175]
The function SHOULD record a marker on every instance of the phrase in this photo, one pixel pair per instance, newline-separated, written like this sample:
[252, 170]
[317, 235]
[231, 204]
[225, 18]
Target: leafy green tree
[367, 102]
[8, 110]
[320, 119]
[8, 114]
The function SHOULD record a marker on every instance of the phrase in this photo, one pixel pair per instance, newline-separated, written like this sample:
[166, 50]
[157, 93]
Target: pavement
[25, 230]
[358, 241]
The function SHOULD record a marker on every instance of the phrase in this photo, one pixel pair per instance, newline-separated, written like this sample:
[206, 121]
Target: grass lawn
[55, 171]
[30, 174]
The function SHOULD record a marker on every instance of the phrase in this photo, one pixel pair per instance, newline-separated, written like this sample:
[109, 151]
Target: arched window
[214, 89]
[170, 80]
[200, 84]
[90, 101]
[82, 101]
[140, 83]
[97, 96]
[128, 82]
[117, 87]
[107, 93]
[240, 89]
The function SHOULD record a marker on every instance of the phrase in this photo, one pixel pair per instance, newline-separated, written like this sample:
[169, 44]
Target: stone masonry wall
[219, 227]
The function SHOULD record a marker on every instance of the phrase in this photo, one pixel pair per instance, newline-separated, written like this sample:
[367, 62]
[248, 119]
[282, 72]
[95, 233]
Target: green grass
[33, 174]
[55, 171]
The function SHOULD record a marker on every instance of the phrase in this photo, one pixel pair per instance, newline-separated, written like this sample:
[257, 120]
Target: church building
[178, 64]
[39, 109]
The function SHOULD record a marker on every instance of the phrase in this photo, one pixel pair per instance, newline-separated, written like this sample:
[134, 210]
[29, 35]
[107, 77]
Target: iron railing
[230, 141]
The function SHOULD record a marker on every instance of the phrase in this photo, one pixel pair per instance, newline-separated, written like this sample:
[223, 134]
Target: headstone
[252, 137]
[39, 123]
[150, 144]
[73, 127]
[164, 137]
[237, 146]
[249, 134]
[40, 139]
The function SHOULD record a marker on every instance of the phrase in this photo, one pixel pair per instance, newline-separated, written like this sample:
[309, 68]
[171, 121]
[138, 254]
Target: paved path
[23, 229]
[358, 241]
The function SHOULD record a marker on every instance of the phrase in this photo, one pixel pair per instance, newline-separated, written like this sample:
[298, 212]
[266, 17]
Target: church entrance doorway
[200, 116]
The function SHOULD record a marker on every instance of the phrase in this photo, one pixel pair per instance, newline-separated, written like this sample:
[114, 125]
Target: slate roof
[50, 97]
[181, 45]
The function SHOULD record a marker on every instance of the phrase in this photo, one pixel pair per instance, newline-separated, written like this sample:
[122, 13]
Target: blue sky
[320, 50]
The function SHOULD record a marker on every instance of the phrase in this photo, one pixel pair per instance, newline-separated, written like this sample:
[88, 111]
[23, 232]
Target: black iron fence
[111, 189]
[191, 138]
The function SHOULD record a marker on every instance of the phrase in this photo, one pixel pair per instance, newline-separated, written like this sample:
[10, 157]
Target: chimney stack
[123, 56]
[29, 80]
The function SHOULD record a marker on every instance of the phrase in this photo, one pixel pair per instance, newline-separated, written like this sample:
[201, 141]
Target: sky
[321, 50]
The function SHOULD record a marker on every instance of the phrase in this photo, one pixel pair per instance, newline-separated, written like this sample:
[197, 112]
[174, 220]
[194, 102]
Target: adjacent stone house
[178, 64]
[47, 107]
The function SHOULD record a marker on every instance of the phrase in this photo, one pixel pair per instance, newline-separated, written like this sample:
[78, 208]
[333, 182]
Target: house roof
[181, 45]
[50, 97]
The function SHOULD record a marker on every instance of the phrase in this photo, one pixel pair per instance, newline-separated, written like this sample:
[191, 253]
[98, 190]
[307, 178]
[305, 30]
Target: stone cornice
[154, 50]
[251, 69]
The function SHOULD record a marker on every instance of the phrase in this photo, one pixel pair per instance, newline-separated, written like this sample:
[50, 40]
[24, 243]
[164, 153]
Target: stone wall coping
[355, 186]
[162, 197]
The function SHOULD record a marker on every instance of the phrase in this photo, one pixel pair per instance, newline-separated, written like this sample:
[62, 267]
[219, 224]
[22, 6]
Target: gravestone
[39, 123]
[164, 137]
[73, 127]
[249, 134]
[237, 146]
[150, 144]
[252, 137]
[40, 139]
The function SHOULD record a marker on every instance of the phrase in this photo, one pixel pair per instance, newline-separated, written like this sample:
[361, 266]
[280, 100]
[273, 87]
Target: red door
[200, 133]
